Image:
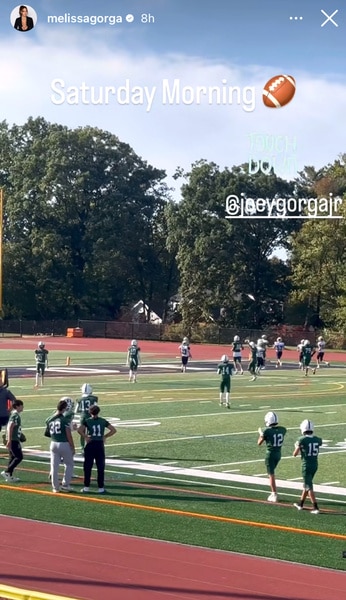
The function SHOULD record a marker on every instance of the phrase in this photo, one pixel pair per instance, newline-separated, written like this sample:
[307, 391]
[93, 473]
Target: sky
[179, 46]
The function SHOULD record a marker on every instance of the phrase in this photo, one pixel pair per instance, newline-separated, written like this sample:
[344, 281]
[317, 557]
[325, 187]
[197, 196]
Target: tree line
[90, 228]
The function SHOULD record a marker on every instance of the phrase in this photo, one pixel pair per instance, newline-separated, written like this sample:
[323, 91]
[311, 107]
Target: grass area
[182, 468]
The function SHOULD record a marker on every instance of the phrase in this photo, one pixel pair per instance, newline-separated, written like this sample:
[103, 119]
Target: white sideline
[212, 475]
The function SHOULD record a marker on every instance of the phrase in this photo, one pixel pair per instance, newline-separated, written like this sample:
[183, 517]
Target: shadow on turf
[132, 491]
[75, 582]
[140, 458]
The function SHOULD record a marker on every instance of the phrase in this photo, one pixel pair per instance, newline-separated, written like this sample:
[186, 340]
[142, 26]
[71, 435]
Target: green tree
[318, 259]
[223, 260]
[81, 216]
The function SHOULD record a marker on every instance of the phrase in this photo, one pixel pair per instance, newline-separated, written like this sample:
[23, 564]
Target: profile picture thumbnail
[23, 17]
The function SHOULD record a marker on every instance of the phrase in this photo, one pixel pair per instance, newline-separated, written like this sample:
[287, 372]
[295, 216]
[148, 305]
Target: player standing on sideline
[321, 344]
[13, 436]
[185, 354]
[279, 346]
[225, 369]
[133, 360]
[69, 415]
[6, 402]
[93, 431]
[41, 357]
[308, 353]
[260, 356]
[61, 447]
[83, 405]
[237, 348]
[308, 446]
[300, 353]
[273, 436]
[252, 360]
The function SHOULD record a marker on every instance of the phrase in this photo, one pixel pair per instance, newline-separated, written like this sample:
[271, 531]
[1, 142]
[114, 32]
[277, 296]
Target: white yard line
[209, 475]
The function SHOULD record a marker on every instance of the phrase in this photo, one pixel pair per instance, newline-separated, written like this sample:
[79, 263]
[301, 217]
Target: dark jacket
[18, 24]
[6, 399]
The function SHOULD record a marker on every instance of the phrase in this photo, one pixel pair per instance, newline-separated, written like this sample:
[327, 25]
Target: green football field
[183, 468]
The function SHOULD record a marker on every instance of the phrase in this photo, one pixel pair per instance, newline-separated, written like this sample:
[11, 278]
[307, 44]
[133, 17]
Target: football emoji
[279, 91]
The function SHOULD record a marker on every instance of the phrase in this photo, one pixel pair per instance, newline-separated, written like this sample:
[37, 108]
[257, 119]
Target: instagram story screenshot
[173, 240]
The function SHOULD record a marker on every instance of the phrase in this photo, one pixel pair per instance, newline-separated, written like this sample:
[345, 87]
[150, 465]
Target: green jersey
[69, 415]
[225, 370]
[309, 446]
[85, 403]
[57, 425]
[41, 356]
[95, 428]
[133, 356]
[307, 351]
[17, 426]
[274, 438]
[237, 347]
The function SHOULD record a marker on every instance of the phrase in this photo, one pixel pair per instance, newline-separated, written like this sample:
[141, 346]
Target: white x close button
[329, 18]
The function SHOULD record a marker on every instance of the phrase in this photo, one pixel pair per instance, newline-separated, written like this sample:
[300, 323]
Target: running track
[91, 565]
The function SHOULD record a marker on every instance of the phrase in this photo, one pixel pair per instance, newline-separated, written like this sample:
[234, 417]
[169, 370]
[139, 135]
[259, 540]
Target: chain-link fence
[199, 333]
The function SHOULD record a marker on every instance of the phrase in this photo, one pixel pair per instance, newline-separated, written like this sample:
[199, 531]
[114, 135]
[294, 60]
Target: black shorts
[4, 421]
[278, 355]
[320, 356]
[260, 361]
[237, 359]
[184, 360]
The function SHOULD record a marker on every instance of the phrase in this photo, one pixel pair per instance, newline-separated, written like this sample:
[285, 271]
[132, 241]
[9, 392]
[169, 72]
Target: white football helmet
[70, 403]
[252, 344]
[41, 344]
[306, 425]
[224, 358]
[271, 418]
[185, 340]
[320, 338]
[236, 338]
[86, 389]
[260, 342]
[134, 343]
[264, 337]
[306, 343]
[302, 341]
[279, 339]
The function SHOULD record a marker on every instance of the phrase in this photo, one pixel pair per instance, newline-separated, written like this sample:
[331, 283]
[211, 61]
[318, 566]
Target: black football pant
[94, 451]
[16, 457]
